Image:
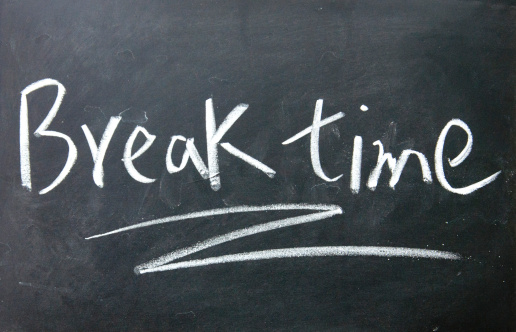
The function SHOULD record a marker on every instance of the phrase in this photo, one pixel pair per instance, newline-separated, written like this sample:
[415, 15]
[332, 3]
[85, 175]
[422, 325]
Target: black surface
[415, 64]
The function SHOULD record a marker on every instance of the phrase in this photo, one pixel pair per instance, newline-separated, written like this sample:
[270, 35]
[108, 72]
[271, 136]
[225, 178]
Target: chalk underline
[222, 211]
[318, 212]
[309, 252]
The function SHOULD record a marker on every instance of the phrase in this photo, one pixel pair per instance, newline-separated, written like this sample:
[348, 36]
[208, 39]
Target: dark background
[415, 64]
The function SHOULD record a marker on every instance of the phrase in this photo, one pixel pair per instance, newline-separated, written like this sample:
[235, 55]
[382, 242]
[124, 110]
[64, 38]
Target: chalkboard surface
[269, 165]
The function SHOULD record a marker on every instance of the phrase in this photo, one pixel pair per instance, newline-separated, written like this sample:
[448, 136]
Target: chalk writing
[214, 136]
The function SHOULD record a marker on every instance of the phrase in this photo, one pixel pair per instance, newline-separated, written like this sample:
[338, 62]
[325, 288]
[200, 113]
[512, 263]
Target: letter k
[213, 137]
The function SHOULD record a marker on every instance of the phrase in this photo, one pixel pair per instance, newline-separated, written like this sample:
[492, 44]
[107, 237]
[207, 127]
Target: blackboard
[336, 165]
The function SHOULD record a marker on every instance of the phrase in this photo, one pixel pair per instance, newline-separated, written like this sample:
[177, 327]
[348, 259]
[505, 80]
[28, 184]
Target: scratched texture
[415, 64]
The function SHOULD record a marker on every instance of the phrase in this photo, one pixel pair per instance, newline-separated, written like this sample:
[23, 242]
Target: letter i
[356, 165]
